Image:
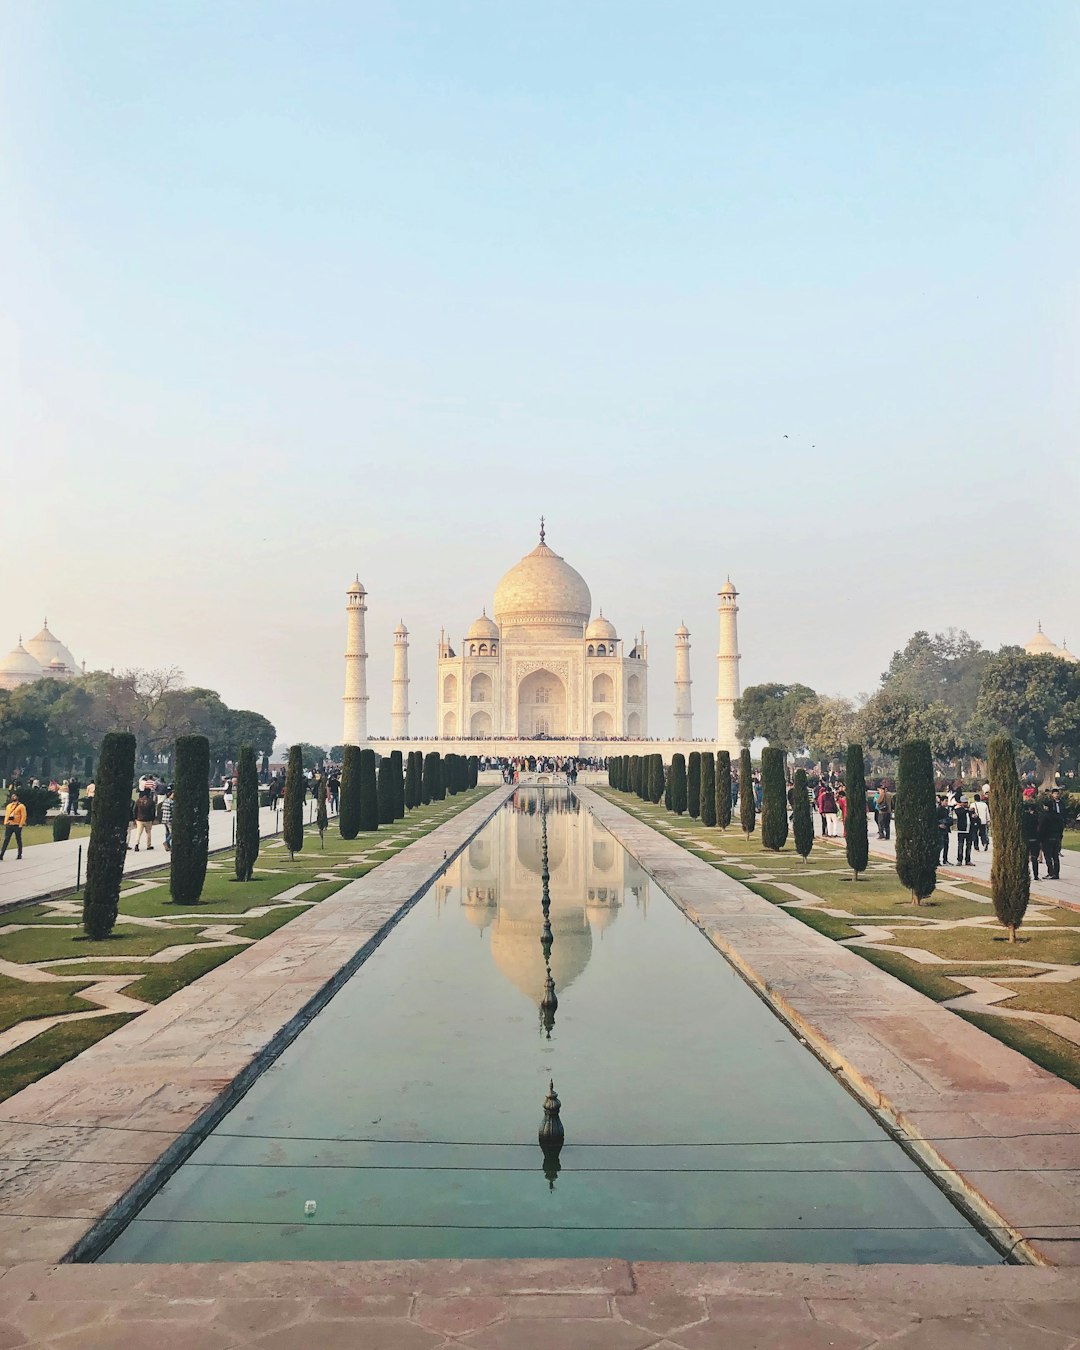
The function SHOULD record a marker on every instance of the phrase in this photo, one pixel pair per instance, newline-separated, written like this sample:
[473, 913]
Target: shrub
[247, 813]
[917, 843]
[292, 811]
[708, 788]
[802, 819]
[678, 784]
[1010, 880]
[349, 804]
[855, 832]
[723, 789]
[693, 784]
[108, 833]
[747, 805]
[61, 827]
[217, 802]
[190, 823]
[369, 791]
[774, 821]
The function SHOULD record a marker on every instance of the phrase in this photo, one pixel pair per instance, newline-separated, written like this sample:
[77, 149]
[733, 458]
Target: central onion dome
[47, 650]
[544, 592]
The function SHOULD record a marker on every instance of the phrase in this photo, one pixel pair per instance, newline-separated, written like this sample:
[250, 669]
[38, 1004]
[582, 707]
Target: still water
[697, 1127]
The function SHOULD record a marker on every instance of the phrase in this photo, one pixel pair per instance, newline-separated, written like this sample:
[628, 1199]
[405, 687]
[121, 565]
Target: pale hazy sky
[296, 289]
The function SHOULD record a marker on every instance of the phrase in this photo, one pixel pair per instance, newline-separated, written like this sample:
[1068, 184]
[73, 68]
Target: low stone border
[96, 1138]
[1008, 1130]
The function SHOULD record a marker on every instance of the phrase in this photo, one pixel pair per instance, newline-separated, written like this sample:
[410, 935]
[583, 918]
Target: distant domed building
[43, 657]
[539, 667]
[1040, 645]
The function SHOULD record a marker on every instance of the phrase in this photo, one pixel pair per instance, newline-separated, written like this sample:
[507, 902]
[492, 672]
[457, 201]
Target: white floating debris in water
[309, 1206]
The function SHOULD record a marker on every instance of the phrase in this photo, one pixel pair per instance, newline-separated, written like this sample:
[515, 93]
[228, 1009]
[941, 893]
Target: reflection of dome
[1040, 645]
[48, 650]
[480, 912]
[543, 591]
[19, 667]
[482, 627]
[515, 949]
[601, 913]
[601, 629]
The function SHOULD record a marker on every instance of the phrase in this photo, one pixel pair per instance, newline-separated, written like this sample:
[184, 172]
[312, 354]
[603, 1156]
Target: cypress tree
[693, 784]
[656, 778]
[430, 779]
[1010, 880]
[413, 771]
[474, 770]
[855, 832]
[917, 843]
[667, 789]
[611, 772]
[678, 784]
[634, 784]
[349, 803]
[108, 833]
[439, 792]
[802, 821]
[247, 814]
[397, 778]
[367, 810]
[708, 788]
[448, 779]
[774, 822]
[191, 819]
[320, 813]
[386, 791]
[747, 805]
[723, 789]
[292, 811]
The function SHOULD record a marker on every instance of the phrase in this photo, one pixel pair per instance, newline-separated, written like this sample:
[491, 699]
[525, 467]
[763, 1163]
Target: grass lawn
[42, 834]
[878, 898]
[57, 937]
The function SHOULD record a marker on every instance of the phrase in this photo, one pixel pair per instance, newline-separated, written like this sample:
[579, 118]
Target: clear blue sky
[295, 290]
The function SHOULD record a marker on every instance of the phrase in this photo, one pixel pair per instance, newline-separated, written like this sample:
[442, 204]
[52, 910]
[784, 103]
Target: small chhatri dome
[728, 588]
[1063, 651]
[46, 649]
[1040, 645]
[356, 588]
[601, 628]
[544, 592]
[401, 630]
[682, 631]
[19, 667]
[483, 627]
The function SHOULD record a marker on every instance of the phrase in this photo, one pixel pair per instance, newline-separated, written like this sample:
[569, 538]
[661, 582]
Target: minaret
[399, 701]
[727, 675]
[356, 697]
[684, 717]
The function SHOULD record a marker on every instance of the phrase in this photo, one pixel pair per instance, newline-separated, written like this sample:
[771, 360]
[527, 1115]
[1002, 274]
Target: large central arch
[541, 703]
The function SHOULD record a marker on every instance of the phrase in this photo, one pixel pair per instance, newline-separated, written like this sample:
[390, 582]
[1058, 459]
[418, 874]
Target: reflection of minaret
[684, 717]
[727, 675]
[356, 697]
[399, 703]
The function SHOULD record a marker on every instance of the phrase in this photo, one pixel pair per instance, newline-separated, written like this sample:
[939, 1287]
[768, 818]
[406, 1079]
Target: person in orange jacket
[14, 820]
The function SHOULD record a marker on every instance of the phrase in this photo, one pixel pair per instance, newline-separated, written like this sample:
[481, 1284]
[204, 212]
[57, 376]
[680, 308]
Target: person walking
[1051, 829]
[982, 822]
[14, 820]
[965, 824]
[1029, 825]
[166, 810]
[884, 814]
[826, 805]
[144, 817]
[944, 824]
[74, 788]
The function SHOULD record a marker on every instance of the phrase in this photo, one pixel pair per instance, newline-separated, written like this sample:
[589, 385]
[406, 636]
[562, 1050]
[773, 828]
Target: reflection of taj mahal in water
[588, 887]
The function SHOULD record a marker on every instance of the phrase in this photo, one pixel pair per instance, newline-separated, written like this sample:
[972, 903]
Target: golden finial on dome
[542, 529]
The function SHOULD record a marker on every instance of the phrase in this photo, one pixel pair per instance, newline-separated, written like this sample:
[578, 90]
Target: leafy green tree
[190, 819]
[397, 777]
[292, 810]
[723, 789]
[108, 834]
[678, 784]
[774, 821]
[693, 785]
[747, 804]
[768, 711]
[825, 726]
[802, 820]
[413, 772]
[918, 845]
[708, 788]
[386, 791]
[349, 805]
[1010, 880]
[247, 814]
[369, 792]
[890, 719]
[1035, 700]
[320, 813]
[855, 832]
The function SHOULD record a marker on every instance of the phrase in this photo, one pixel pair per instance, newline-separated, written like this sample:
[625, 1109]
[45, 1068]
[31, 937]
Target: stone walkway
[1007, 1130]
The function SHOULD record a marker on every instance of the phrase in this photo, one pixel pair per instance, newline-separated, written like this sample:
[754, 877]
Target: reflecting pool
[697, 1126]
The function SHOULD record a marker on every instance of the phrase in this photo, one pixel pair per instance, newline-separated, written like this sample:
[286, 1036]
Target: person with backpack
[144, 815]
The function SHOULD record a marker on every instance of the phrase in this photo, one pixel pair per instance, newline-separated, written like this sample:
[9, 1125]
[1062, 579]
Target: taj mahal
[542, 667]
